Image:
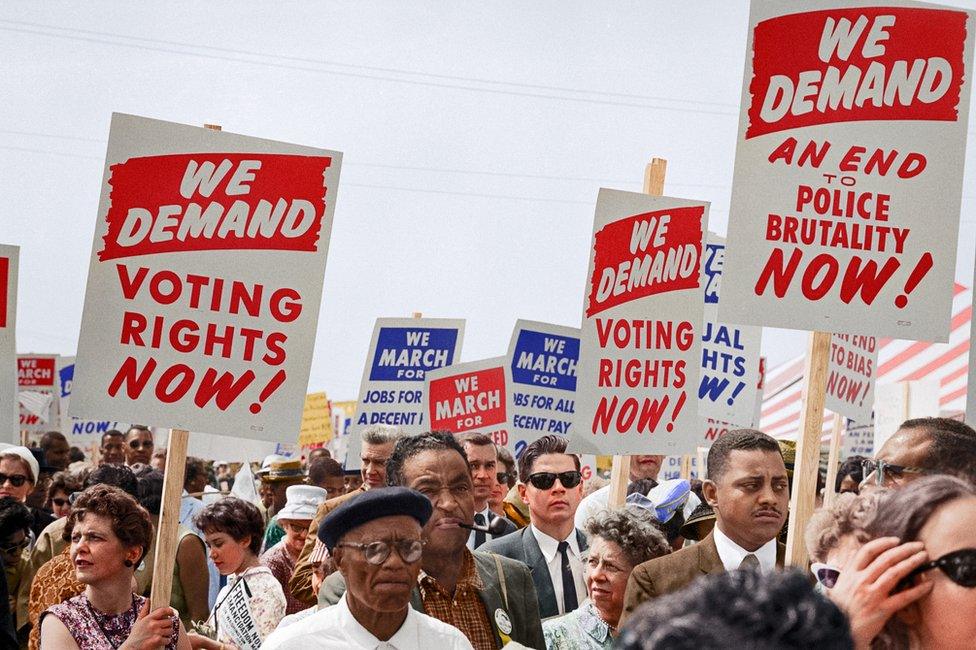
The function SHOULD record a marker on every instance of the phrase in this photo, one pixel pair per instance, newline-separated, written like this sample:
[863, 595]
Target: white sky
[475, 138]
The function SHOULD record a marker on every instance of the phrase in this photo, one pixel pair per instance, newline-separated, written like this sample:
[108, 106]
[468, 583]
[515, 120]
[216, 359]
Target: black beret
[370, 505]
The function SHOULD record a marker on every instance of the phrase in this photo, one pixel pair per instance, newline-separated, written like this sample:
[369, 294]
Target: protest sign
[543, 360]
[637, 379]
[38, 392]
[971, 379]
[588, 468]
[80, 432]
[729, 385]
[235, 618]
[900, 401]
[850, 376]
[848, 168]
[858, 441]
[671, 468]
[205, 280]
[316, 429]
[9, 407]
[473, 396]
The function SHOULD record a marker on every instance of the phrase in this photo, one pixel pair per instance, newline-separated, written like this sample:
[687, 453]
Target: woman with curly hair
[233, 530]
[109, 535]
[63, 484]
[619, 541]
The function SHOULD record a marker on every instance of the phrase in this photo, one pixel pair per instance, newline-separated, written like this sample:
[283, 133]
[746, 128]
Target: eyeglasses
[545, 480]
[825, 574]
[503, 477]
[959, 566]
[409, 550]
[16, 548]
[59, 502]
[141, 444]
[887, 472]
[16, 480]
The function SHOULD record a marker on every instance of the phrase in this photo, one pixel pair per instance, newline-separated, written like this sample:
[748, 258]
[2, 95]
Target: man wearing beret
[376, 545]
[490, 598]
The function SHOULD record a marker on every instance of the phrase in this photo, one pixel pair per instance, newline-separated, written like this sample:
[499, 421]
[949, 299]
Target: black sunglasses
[59, 502]
[141, 444]
[959, 566]
[545, 480]
[16, 480]
[503, 477]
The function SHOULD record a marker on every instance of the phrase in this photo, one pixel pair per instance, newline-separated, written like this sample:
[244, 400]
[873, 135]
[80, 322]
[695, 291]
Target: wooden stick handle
[169, 519]
[833, 459]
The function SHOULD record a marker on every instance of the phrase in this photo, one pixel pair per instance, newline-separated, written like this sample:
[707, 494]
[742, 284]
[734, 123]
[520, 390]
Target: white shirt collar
[550, 545]
[408, 636]
[732, 554]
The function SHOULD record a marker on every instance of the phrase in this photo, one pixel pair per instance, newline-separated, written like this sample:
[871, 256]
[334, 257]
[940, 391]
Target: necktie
[479, 535]
[750, 562]
[569, 584]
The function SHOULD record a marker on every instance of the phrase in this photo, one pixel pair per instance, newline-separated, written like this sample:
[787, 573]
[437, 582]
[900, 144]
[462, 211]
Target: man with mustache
[491, 599]
[749, 491]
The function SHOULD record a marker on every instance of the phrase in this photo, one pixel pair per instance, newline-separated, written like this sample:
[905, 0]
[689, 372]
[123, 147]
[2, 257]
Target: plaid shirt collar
[468, 579]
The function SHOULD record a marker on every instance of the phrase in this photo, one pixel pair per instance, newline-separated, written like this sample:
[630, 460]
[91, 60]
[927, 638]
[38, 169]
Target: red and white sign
[472, 396]
[9, 418]
[848, 170]
[38, 392]
[640, 348]
[205, 280]
[850, 376]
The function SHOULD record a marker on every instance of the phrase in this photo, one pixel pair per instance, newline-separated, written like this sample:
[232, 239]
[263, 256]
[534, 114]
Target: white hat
[26, 455]
[267, 462]
[302, 503]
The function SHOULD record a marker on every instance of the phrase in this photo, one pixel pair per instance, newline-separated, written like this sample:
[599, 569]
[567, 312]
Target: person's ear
[910, 615]
[521, 490]
[710, 492]
[132, 555]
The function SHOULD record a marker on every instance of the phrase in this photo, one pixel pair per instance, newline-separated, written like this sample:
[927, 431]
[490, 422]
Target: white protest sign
[858, 441]
[640, 352]
[473, 396]
[850, 376]
[38, 392]
[849, 166]
[80, 432]
[9, 408]
[971, 379]
[234, 617]
[588, 467]
[729, 386]
[904, 400]
[671, 468]
[543, 360]
[205, 280]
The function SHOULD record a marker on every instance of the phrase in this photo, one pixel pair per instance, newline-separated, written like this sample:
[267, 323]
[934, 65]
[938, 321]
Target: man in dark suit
[491, 599]
[483, 463]
[551, 546]
[748, 489]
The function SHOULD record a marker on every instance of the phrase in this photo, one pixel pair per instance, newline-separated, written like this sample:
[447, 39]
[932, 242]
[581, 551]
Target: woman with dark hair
[109, 535]
[849, 475]
[914, 584]
[233, 530]
[63, 484]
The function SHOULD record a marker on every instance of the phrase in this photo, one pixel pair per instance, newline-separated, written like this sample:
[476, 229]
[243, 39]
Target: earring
[128, 563]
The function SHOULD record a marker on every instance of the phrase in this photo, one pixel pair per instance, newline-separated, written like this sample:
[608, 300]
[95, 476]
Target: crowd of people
[447, 541]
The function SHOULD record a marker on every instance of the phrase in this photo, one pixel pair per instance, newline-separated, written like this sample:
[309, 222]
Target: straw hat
[282, 471]
[696, 527]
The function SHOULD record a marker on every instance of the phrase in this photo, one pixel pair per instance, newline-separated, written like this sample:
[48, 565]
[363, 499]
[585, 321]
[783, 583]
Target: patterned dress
[581, 629]
[93, 630]
[283, 566]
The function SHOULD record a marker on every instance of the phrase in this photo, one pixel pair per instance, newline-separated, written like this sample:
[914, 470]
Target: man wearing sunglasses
[138, 445]
[375, 542]
[483, 463]
[920, 447]
[748, 489]
[551, 546]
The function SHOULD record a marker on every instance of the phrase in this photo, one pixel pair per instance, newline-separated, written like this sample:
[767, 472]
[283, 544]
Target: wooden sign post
[833, 459]
[654, 174]
[807, 463]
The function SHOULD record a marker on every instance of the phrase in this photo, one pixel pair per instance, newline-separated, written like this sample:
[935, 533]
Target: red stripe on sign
[4, 281]
[955, 374]
[945, 399]
[938, 362]
[846, 65]
[215, 201]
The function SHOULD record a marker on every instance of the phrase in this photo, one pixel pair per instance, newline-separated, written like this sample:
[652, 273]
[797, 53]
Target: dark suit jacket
[522, 546]
[509, 526]
[522, 605]
[669, 573]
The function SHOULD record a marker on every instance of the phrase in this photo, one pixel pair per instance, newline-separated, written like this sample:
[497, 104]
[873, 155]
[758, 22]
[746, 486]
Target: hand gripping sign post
[543, 360]
[847, 187]
[641, 335]
[9, 417]
[471, 396]
[203, 290]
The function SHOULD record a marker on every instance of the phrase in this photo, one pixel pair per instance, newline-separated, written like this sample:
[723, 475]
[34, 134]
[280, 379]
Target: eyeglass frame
[880, 467]
[817, 567]
[9, 550]
[362, 546]
[555, 476]
[16, 480]
[941, 563]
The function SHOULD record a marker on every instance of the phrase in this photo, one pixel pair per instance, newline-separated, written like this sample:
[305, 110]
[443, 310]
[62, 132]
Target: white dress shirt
[732, 554]
[550, 551]
[335, 628]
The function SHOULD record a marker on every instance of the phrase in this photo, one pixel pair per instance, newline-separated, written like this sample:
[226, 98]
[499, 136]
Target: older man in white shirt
[375, 542]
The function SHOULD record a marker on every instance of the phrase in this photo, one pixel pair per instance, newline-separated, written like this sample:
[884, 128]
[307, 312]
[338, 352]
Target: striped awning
[898, 360]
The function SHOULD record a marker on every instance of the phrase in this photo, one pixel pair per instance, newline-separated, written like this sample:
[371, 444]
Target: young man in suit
[748, 489]
[491, 599]
[483, 463]
[551, 485]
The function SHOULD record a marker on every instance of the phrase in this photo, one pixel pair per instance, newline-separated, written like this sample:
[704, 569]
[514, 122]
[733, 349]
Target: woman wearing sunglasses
[833, 535]
[63, 485]
[914, 584]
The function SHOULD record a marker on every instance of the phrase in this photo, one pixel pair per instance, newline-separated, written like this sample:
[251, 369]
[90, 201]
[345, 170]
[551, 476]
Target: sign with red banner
[205, 280]
[640, 349]
[38, 392]
[848, 170]
[473, 396]
[9, 418]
